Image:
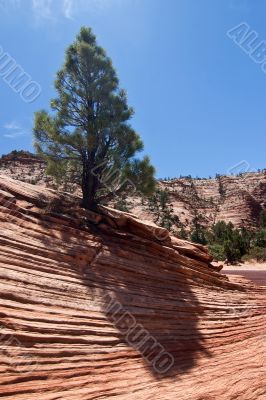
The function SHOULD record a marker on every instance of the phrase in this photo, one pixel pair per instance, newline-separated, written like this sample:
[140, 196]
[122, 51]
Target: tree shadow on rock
[145, 295]
[150, 302]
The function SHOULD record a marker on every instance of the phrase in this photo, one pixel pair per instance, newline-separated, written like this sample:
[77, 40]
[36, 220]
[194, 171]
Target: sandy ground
[246, 267]
[255, 272]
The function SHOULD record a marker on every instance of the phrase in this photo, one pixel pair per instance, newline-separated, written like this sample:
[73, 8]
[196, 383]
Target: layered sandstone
[236, 199]
[60, 267]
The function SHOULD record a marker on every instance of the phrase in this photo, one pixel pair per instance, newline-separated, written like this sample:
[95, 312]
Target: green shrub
[198, 232]
[121, 204]
[255, 253]
[162, 209]
[198, 236]
[232, 253]
[260, 238]
[217, 251]
[183, 234]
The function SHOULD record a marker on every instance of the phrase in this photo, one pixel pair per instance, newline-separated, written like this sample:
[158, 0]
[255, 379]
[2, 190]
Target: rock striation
[103, 305]
[239, 199]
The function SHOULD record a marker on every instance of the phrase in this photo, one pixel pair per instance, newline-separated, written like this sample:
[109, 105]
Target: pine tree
[198, 233]
[162, 209]
[87, 138]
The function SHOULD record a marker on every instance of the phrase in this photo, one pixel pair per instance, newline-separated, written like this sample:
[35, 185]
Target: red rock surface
[243, 199]
[241, 203]
[58, 267]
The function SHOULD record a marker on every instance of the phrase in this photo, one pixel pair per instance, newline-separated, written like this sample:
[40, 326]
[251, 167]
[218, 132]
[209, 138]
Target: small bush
[232, 253]
[255, 253]
[260, 238]
[217, 251]
[122, 205]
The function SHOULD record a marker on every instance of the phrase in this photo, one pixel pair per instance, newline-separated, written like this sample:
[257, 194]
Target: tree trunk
[89, 188]
[88, 200]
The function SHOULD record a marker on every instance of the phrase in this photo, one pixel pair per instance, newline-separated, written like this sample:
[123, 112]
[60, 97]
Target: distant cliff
[238, 199]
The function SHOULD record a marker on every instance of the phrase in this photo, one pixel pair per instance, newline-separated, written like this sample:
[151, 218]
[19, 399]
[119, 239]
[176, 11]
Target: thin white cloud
[71, 8]
[67, 8]
[14, 130]
[15, 134]
[51, 10]
[11, 3]
[12, 125]
[42, 9]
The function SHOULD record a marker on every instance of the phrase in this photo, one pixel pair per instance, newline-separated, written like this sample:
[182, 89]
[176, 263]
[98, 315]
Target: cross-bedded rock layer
[59, 265]
[239, 199]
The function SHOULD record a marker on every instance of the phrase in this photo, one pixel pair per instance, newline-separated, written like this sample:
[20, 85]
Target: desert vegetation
[226, 243]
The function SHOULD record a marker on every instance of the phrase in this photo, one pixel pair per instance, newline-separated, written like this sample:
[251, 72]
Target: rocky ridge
[238, 199]
[60, 267]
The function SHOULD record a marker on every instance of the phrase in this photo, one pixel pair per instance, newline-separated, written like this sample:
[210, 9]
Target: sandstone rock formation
[63, 269]
[238, 199]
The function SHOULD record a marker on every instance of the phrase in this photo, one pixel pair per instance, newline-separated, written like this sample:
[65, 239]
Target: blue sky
[199, 99]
